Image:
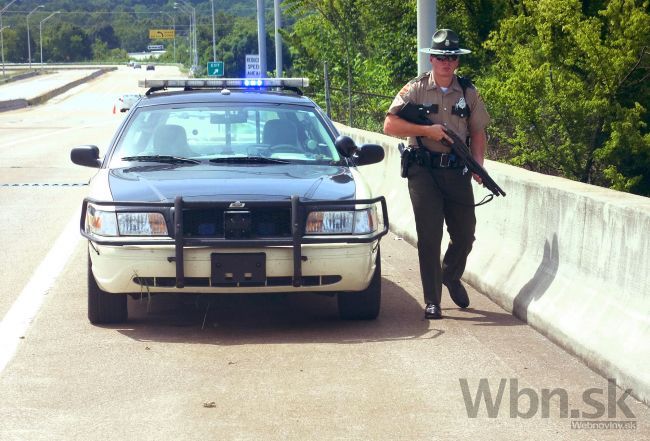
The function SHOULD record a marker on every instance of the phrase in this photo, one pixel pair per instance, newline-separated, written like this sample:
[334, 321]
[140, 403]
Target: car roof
[217, 96]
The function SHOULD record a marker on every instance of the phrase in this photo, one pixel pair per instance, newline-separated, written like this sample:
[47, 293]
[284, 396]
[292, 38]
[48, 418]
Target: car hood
[163, 182]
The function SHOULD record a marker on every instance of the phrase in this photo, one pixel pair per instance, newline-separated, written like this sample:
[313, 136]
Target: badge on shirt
[460, 109]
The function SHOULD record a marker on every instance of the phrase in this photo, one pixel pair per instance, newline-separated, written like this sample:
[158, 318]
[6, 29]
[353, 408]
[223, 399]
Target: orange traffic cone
[113, 109]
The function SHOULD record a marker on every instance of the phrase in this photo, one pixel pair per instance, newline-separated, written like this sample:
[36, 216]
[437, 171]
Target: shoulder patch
[420, 77]
[407, 86]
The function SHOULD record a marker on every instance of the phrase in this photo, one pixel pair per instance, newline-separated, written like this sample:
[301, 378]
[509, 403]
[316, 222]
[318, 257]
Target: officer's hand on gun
[437, 133]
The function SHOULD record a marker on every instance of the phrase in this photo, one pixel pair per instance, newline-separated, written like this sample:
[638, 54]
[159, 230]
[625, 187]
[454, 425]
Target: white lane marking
[26, 306]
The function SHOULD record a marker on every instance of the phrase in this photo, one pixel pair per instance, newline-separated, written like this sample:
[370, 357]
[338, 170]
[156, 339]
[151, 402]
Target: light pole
[427, 17]
[278, 38]
[2, 39]
[40, 31]
[185, 9]
[29, 43]
[196, 51]
[3, 61]
[214, 38]
[174, 26]
[192, 10]
[261, 37]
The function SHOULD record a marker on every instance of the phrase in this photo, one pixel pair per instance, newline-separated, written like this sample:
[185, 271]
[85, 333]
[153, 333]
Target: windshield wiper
[161, 158]
[249, 160]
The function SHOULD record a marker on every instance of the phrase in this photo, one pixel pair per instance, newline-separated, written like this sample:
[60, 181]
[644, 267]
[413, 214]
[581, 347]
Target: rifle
[417, 114]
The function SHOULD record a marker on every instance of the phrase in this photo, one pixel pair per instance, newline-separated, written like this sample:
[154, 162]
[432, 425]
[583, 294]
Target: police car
[220, 186]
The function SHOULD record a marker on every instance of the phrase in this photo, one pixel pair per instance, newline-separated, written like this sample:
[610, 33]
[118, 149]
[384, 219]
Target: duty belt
[427, 158]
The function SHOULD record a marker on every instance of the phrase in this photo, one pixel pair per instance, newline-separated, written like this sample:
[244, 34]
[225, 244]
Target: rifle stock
[417, 114]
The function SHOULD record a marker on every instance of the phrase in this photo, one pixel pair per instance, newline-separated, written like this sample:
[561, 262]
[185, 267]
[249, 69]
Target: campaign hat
[445, 42]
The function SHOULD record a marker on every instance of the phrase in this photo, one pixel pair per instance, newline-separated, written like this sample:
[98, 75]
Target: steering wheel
[287, 148]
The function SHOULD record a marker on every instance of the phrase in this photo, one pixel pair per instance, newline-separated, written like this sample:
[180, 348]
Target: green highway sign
[215, 68]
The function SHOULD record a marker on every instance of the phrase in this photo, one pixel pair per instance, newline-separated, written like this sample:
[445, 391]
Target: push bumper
[311, 263]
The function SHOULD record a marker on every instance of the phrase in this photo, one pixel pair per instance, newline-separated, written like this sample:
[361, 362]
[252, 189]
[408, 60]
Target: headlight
[141, 224]
[109, 223]
[365, 221]
[100, 223]
[342, 222]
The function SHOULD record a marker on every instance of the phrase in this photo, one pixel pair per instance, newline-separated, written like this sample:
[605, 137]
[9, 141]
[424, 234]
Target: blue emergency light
[224, 83]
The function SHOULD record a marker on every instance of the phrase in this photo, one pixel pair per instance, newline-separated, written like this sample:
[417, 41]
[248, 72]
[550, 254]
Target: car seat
[280, 131]
[171, 140]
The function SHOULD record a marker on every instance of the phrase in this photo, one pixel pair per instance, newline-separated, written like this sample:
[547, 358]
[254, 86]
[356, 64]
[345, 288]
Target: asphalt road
[250, 367]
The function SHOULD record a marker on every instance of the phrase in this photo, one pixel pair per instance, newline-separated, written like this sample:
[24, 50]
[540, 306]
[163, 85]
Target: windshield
[218, 134]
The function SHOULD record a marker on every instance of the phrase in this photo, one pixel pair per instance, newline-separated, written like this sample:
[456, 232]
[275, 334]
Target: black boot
[432, 311]
[457, 292]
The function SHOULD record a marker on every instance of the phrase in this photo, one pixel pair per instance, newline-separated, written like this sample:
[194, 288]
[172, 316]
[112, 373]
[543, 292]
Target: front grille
[264, 223]
[170, 282]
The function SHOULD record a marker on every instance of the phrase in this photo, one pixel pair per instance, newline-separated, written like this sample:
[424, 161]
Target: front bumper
[180, 264]
[324, 268]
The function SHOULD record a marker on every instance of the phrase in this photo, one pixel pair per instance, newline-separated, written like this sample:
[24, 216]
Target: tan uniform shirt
[423, 90]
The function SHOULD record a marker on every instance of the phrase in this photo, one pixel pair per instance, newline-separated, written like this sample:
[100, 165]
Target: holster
[405, 162]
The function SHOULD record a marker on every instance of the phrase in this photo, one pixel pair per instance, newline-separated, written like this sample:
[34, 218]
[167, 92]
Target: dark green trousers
[441, 195]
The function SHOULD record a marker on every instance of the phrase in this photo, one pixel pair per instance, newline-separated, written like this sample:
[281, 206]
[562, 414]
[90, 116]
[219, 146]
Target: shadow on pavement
[238, 319]
[481, 317]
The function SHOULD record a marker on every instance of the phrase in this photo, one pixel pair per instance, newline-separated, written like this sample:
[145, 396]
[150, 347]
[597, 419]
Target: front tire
[104, 308]
[363, 305]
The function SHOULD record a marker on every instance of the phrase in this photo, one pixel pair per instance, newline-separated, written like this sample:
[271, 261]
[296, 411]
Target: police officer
[439, 184]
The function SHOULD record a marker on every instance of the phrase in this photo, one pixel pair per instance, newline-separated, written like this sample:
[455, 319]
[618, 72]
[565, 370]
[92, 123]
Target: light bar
[221, 83]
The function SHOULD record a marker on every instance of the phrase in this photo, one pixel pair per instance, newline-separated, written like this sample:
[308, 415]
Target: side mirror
[369, 154]
[86, 155]
[346, 146]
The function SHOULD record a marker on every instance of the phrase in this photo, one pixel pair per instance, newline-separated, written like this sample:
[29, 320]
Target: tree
[563, 91]
[474, 20]
[106, 33]
[68, 43]
[363, 53]
[15, 44]
[101, 52]
[371, 46]
[233, 47]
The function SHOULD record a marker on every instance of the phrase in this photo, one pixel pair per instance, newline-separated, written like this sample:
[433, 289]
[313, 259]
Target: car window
[291, 133]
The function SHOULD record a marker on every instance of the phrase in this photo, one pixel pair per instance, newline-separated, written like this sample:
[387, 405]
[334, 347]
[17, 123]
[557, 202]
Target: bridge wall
[572, 260]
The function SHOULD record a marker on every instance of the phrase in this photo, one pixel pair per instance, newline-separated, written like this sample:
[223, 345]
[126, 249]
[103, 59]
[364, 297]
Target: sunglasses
[446, 57]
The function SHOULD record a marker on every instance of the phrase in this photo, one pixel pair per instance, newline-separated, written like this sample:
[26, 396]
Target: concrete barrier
[21, 103]
[570, 259]
[22, 76]
[59, 90]
[13, 104]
